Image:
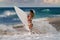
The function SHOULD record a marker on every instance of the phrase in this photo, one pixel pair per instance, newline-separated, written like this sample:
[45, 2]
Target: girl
[30, 17]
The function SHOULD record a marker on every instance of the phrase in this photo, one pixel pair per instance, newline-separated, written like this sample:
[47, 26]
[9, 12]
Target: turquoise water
[40, 12]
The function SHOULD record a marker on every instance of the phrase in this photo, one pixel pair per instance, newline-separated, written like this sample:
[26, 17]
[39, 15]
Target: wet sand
[55, 21]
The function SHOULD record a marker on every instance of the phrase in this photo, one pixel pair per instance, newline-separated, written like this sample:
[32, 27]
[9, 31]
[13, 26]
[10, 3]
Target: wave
[6, 29]
[56, 15]
[47, 31]
[41, 25]
[45, 10]
[44, 26]
[7, 13]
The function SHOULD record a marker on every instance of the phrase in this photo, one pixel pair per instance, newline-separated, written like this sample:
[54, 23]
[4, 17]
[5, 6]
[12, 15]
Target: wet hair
[32, 13]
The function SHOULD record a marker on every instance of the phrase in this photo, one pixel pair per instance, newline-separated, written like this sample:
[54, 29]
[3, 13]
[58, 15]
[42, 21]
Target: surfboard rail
[22, 16]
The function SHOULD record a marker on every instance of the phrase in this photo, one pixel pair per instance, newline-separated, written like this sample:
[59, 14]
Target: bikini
[29, 22]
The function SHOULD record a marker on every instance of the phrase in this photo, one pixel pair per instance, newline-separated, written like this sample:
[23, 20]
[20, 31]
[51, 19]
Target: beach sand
[55, 21]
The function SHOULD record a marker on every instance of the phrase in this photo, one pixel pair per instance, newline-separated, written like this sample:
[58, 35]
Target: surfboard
[22, 16]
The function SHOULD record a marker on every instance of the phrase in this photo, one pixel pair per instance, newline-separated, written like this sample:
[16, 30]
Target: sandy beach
[55, 21]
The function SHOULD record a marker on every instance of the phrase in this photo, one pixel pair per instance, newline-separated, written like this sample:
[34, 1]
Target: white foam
[44, 27]
[31, 37]
[56, 15]
[7, 13]
[40, 19]
[6, 28]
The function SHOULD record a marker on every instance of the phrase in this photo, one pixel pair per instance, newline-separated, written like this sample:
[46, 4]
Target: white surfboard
[22, 16]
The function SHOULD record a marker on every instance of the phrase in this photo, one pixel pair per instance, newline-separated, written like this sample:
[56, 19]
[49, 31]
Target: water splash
[44, 26]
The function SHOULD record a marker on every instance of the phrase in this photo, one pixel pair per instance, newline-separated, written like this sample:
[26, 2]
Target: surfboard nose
[22, 16]
[15, 7]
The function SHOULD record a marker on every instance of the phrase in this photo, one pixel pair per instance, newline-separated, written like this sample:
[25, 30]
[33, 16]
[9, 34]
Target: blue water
[40, 12]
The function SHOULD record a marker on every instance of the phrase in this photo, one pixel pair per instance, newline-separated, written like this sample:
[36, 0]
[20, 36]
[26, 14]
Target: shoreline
[55, 21]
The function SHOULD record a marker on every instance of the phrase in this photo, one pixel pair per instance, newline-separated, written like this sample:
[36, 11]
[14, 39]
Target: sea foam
[48, 32]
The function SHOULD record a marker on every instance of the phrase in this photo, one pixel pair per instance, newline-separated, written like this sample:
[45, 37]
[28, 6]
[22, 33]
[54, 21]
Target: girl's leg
[30, 27]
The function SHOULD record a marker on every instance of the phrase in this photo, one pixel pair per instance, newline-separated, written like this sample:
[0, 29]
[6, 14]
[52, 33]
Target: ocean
[46, 24]
[8, 15]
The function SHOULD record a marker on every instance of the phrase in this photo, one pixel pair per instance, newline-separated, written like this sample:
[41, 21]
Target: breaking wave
[47, 32]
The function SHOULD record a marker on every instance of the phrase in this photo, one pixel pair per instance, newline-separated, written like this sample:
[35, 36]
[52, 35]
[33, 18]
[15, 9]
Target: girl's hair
[32, 13]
